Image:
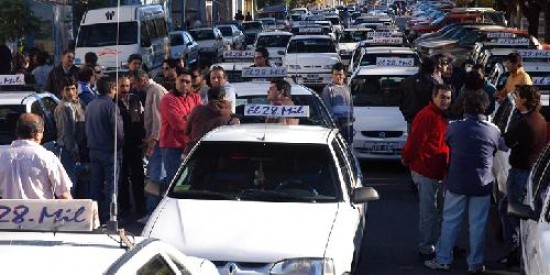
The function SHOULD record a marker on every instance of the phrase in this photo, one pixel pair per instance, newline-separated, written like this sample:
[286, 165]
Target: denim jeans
[453, 211]
[172, 161]
[428, 217]
[156, 173]
[102, 180]
[69, 164]
[516, 186]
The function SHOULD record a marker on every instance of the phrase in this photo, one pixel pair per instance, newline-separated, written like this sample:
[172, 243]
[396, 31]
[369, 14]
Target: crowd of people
[450, 150]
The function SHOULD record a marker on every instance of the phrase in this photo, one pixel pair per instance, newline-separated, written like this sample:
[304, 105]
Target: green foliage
[16, 20]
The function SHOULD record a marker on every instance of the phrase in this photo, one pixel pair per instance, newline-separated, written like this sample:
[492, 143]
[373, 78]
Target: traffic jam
[251, 161]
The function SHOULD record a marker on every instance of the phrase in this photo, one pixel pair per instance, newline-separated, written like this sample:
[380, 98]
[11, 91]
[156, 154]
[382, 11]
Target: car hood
[243, 231]
[437, 43]
[206, 43]
[312, 58]
[378, 119]
[348, 47]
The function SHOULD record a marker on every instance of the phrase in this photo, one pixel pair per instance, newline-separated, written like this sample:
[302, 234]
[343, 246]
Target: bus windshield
[99, 35]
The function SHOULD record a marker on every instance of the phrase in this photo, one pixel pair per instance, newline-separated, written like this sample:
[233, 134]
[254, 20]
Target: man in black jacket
[65, 69]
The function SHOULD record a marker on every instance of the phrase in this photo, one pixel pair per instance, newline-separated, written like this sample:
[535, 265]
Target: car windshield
[273, 40]
[370, 59]
[353, 36]
[311, 46]
[376, 90]
[226, 30]
[275, 172]
[99, 35]
[8, 117]
[252, 26]
[199, 35]
[176, 39]
[318, 114]
[334, 20]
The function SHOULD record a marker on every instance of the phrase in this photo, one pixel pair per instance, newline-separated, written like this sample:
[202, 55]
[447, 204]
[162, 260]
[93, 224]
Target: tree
[16, 20]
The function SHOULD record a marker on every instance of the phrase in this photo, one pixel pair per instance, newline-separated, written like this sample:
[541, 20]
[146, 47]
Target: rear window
[311, 46]
[273, 41]
[376, 91]
[226, 31]
[275, 172]
[199, 35]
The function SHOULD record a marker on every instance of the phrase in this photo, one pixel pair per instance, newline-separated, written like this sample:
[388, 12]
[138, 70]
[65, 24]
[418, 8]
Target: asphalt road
[390, 241]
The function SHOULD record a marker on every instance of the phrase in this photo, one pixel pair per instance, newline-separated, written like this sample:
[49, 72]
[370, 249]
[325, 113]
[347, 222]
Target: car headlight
[309, 266]
[296, 67]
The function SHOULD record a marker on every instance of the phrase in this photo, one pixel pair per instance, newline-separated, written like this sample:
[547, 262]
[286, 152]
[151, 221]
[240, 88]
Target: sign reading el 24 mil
[264, 72]
[12, 79]
[48, 215]
[276, 110]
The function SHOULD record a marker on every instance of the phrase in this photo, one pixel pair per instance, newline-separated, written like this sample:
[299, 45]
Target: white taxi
[385, 56]
[33, 240]
[267, 199]
[274, 42]
[348, 40]
[309, 59]
[380, 131]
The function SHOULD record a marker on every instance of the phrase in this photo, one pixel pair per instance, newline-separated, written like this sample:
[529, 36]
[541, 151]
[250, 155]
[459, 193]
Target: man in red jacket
[426, 155]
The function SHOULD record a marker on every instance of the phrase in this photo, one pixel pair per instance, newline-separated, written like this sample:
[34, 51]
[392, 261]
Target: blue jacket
[473, 142]
[102, 114]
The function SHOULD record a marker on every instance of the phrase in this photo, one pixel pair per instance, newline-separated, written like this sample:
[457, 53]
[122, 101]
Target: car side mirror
[521, 211]
[281, 52]
[364, 194]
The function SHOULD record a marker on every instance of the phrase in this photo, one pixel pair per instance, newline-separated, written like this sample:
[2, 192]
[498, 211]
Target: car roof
[385, 70]
[260, 88]
[13, 98]
[270, 133]
[90, 253]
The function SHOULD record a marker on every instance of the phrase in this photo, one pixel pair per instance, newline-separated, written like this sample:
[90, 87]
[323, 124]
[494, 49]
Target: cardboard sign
[395, 61]
[310, 30]
[48, 215]
[511, 41]
[276, 110]
[12, 79]
[379, 34]
[534, 53]
[238, 54]
[541, 81]
[268, 72]
[388, 40]
[501, 35]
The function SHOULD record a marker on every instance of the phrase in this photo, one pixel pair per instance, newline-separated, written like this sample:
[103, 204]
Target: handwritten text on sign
[395, 61]
[379, 34]
[310, 30]
[276, 110]
[500, 35]
[238, 54]
[388, 40]
[534, 53]
[264, 72]
[512, 41]
[541, 80]
[48, 215]
[17, 79]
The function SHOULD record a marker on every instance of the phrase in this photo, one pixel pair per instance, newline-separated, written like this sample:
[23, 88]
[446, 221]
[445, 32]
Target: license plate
[312, 76]
[382, 147]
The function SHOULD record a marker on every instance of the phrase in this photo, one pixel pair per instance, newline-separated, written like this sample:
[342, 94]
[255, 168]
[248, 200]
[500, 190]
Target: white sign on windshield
[310, 30]
[238, 54]
[395, 61]
[48, 215]
[264, 72]
[388, 40]
[539, 81]
[501, 35]
[276, 110]
[379, 34]
[13, 79]
[512, 41]
[534, 53]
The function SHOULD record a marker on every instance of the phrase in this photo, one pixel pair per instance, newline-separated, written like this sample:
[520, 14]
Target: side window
[156, 265]
[49, 104]
[160, 26]
[145, 36]
[36, 108]
[188, 37]
[151, 29]
[343, 165]
[354, 163]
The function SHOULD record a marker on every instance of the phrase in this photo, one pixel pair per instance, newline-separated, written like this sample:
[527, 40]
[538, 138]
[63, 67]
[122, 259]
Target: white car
[211, 44]
[267, 199]
[275, 42]
[535, 215]
[309, 59]
[182, 45]
[232, 36]
[380, 131]
[375, 55]
[348, 40]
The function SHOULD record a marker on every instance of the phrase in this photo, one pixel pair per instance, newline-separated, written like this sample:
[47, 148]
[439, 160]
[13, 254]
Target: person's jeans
[156, 173]
[172, 161]
[516, 186]
[102, 180]
[69, 164]
[132, 177]
[453, 211]
[428, 215]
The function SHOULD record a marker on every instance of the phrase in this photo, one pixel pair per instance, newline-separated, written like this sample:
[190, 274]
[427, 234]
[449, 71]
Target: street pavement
[390, 242]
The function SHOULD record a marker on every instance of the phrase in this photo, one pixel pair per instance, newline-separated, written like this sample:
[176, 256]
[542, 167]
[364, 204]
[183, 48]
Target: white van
[141, 30]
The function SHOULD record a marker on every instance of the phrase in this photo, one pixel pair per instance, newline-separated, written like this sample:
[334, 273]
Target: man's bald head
[28, 126]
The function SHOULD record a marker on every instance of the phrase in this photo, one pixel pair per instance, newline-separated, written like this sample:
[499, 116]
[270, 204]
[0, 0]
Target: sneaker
[144, 219]
[480, 270]
[434, 265]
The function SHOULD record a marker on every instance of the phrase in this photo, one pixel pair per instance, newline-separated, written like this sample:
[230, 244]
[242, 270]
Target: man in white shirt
[28, 170]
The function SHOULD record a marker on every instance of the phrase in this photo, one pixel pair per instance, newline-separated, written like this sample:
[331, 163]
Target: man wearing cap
[29, 171]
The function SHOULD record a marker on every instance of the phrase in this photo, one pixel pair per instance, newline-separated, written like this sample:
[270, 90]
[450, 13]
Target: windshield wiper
[272, 195]
[202, 194]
